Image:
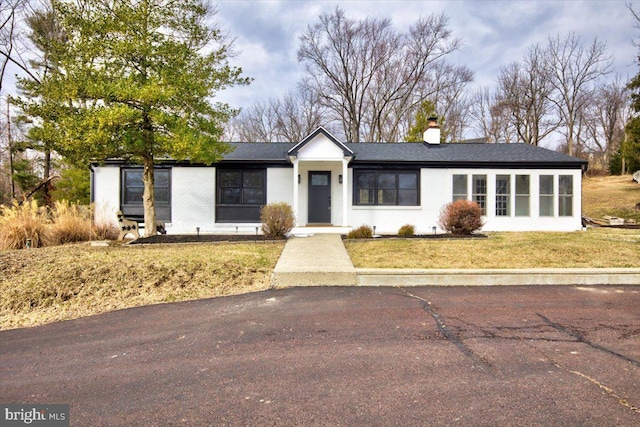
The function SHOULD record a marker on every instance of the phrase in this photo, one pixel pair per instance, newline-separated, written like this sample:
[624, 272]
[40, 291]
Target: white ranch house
[335, 186]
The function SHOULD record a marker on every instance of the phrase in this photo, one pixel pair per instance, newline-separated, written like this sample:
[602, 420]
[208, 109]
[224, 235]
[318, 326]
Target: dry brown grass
[24, 224]
[594, 248]
[610, 195]
[70, 223]
[49, 284]
[605, 195]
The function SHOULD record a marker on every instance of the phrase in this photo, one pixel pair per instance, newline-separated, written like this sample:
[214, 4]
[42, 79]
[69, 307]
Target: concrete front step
[316, 260]
[308, 278]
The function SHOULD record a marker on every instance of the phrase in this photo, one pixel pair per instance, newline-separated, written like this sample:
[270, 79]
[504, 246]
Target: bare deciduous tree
[490, 116]
[299, 114]
[524, 91]
[446, 86]
[289, 119]
[368, 74]
[604, 120]
[574, 70]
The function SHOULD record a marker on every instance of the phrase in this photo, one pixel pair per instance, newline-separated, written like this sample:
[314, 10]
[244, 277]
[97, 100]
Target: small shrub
[71, 223]
[407, 230]
[20, 223]
[277, 220]
[461, 217]
[362, 232]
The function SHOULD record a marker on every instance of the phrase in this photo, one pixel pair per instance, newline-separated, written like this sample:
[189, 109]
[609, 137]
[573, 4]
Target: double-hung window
[503, 193]
[565, 195]
[546, 195]
[459, 187]
[522, 195]
[480, 191]
[386, 188]
[241, 194]
[133, 189]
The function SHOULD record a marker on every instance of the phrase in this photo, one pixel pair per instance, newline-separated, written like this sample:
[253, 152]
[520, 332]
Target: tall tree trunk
[148, 198]
[46, 190]
[10, 147]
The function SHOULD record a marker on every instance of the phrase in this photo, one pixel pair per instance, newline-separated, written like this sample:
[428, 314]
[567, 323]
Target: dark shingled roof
[443, 155]
[259, 151]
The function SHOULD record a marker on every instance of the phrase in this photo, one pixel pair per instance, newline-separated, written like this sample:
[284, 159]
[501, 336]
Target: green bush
[277, 220]
[407, 230]
[362, 232]
[461, 217]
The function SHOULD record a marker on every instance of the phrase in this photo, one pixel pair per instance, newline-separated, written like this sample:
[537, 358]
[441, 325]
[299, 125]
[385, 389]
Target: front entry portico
[320, 181]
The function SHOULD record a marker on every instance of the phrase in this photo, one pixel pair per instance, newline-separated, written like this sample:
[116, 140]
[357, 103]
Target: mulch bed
[212, 238]
[203, 238]
[425, 236]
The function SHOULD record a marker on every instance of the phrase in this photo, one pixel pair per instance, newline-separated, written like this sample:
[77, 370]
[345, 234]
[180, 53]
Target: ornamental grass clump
[277, 220]
[23, 225]
[70, 223]
[362, 232]
[461, 217]
[407, 230]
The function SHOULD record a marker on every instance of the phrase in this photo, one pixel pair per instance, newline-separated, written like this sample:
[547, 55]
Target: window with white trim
[503, 193]
[522, 195]
[479, 188]
[565, 195]
[546, 195]
[459, 187]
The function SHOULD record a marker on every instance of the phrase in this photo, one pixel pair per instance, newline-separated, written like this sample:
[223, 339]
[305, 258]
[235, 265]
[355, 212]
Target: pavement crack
[581, 339]
[608, 390]
[445, 331]
[621, 400]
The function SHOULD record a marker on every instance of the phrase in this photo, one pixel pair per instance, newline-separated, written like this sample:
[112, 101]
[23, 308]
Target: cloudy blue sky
[494, 33]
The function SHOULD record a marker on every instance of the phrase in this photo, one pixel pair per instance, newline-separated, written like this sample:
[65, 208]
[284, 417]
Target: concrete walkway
[317, 260]
[322, 260]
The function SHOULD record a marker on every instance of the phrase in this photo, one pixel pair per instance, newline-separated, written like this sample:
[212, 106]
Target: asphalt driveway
[343, 356]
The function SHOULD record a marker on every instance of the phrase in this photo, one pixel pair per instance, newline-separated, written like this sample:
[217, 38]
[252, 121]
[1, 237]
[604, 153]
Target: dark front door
[320, 197]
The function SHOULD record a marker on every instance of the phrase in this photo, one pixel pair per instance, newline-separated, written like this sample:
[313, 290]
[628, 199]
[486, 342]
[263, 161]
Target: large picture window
[133, 189]
[241, 194]
[386, 188]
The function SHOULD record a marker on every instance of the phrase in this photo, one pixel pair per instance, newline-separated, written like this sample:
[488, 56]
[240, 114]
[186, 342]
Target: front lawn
[38, 286]
[596, 248]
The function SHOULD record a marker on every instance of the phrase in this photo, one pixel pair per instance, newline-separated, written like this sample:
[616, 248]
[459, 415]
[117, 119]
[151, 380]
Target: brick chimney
[432, 134]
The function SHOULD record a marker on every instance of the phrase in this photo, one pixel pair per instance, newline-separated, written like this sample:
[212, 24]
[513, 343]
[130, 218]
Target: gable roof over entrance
[320, 132]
